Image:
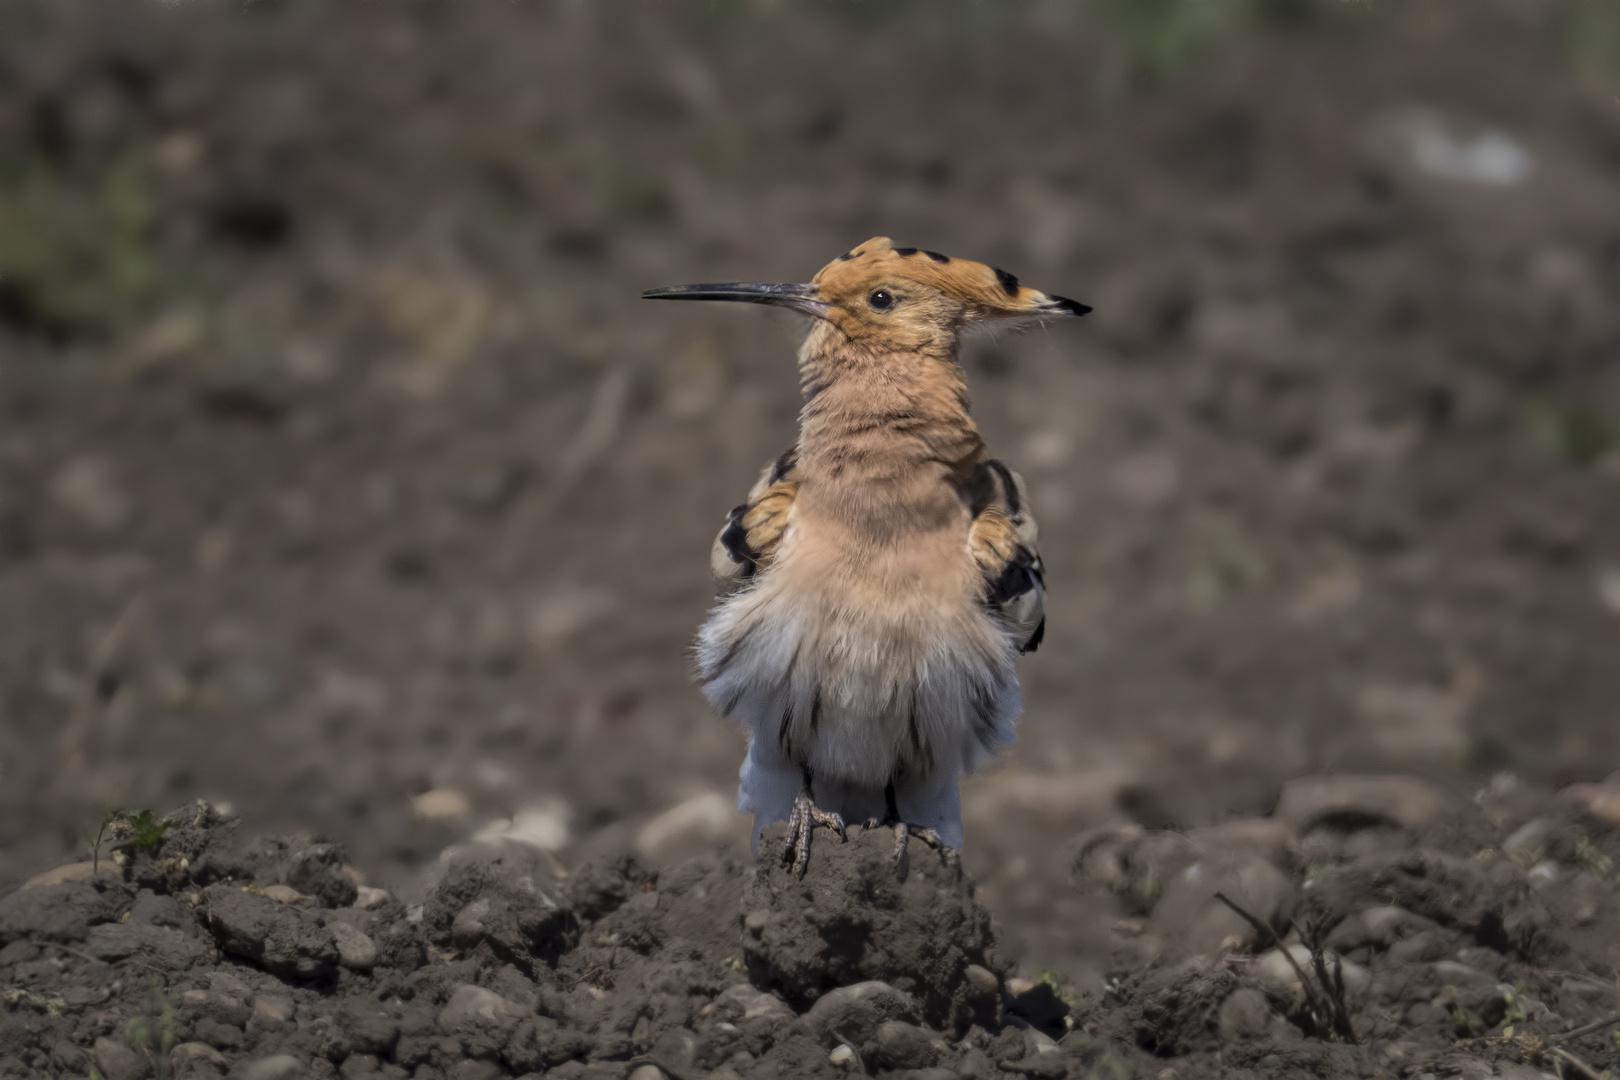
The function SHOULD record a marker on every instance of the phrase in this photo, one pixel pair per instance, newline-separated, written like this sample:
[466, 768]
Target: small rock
[273, 1009]
[1245, 1014]
[196, 1061]
[228, 985]
[542, 827]
[1275, 968]
[1602, 802]
[79, 871]
[1377, 927]
[441, 803]
[467, 930]
[1527, 843]
[676, 1050]
[286, 940]
[480, 1018]
[356, 951]
[368, 898]
[155, 946]
[1350, 801]
[899, 1045]
[320, 870]
[743, 1002]
[117, 1061]
[647, 1072]
[283, 894]
[1417, 948]
[854, 1013]
[60, 912]
[274, 1067]
[841, 1054]
[1038, 1042]
[979, 998]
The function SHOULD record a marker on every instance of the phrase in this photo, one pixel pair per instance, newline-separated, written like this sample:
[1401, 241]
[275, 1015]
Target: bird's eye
[881, 299]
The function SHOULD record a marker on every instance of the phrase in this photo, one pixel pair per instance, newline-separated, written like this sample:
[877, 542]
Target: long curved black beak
[798, 297]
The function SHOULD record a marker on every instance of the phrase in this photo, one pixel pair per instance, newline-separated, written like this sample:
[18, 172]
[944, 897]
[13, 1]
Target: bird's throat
[884, 437]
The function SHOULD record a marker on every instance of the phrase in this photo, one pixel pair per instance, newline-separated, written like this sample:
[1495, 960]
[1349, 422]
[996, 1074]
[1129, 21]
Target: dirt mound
[199, 953]
[1370, 926]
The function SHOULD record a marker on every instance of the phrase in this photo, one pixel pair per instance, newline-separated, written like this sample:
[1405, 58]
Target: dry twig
[1585, 1029]
[1324, 998]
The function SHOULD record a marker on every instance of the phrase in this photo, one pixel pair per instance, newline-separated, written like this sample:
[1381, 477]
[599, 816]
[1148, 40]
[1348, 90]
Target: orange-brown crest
[909, 295]
[990, 291]
[895, 297]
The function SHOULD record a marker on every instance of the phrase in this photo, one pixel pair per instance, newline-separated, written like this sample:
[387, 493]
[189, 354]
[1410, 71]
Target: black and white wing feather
[754, 530]
[1003, 541]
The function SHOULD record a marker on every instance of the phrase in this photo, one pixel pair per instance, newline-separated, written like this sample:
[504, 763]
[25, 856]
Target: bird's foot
[801, 823]
[903, 831]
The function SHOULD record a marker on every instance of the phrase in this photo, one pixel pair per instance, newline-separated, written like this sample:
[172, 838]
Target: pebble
[647, 1072]
[1275, 968]
[1602, 802]
[467, 929]
[286, 940]
[368, 898]
[1376, 926]
[743, 1002]
[543, 827]
[117, 1061]
[841, 1054]
[472, 1005]
[1526, 843]
[274, 1067]
[440, 804]
[356, 951]
[854, 1013]
[284, 894]
[273, 1009]
[79, 871]
[195, 1060]
[899, 1045]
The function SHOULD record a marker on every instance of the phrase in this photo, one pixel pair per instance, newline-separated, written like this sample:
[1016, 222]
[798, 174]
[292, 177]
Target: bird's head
[892, 297]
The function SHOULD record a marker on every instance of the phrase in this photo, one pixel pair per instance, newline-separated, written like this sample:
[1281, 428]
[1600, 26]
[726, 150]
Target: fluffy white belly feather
[917, 693]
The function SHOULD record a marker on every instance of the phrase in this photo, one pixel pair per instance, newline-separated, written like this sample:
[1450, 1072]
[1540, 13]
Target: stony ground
[1370, 926]
[346, 484]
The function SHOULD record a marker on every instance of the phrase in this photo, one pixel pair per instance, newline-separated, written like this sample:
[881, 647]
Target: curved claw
[903, 831]
[801, 824]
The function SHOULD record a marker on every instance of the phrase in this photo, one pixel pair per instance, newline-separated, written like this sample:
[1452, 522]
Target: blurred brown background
[345, 479]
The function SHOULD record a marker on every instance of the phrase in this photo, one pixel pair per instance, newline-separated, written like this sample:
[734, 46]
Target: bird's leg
[805, 817]
[903, 830]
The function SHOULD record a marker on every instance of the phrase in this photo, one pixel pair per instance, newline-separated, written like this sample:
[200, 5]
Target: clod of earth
[1443, 951]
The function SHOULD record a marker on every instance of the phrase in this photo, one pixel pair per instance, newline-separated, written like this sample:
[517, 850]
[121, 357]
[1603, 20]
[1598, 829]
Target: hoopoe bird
[882, 577]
